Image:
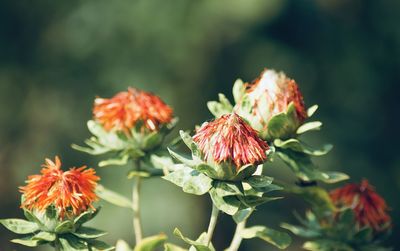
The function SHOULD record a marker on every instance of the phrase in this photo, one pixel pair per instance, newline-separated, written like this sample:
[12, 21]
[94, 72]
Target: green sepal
[220, 108]
[279, 239]
[311, 110]
[261, 183]
[238, 90]
[85, 217]
[65, 227]
[282, 125]
[191, 181]
[113, 197]
[151, 243]
[20, 226]
[309, 126]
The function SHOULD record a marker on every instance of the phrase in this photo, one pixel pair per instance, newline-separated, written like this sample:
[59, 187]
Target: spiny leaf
[20, 226]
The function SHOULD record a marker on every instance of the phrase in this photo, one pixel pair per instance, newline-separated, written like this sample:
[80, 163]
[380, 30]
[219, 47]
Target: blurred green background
[56, 56]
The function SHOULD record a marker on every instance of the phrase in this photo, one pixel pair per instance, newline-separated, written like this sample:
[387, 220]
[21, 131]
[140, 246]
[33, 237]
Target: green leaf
[190, 180]
[301, 231]
[238, 90]
[297, 146]
[113, 197]
[309, 126]
[162, 162]
[254, 201]
[169, 247]
[86, 216]
[242, 214]
[197, 245]
[64, 227]
[326, 245]
[28, 241]
[305, 169]
[151, 243]
[20, 226]
[88, 233]
[282, 125]
[117, 161]
[71, 243]
[44, 236]
[182, 159]
[318, 198]
[122, 246]
[228, 205]
[220, 108]
[279, 239]
[259, 181]
[96, 245]
[312, 110]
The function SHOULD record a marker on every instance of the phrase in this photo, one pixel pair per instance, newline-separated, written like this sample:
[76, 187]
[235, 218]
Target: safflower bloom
[369, 207]
[73, 190]
[230, 139]
[269, 95]
[123, 111]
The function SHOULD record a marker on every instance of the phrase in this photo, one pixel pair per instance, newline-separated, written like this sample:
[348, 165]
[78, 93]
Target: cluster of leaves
[65, 235]
[137, 146]
[328, 228]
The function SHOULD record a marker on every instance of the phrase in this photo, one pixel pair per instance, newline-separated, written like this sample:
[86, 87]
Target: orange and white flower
[267, 96]
[369, 207]
[230, 139]
[123, 111]
[72, 191]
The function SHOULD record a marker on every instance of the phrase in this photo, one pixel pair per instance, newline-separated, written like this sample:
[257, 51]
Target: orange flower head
[229, 138]
[123, 111]
[369, 207]
[70, 191]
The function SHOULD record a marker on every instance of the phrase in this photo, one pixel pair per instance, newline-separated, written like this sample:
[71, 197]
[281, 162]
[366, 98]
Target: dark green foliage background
[56, 56]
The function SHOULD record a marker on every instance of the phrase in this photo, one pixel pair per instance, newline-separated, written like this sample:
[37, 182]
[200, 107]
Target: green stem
[137, 225]
[237, 238]
[212, 224]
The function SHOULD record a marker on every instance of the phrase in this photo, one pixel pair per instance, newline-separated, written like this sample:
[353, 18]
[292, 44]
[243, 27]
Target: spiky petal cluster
[72, 191]
[369, 207]
[270, 95]
[230, 139]
[123, 111]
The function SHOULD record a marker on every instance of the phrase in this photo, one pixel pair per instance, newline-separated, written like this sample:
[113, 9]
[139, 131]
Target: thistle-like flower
[269, 95]
[123, 111]
[369, 207]
[71, 192]
[230, 139]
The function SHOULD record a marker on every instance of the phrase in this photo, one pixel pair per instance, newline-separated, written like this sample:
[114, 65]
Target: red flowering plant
[353, 217]
[226, 153]
[56, 204]
[273, 105]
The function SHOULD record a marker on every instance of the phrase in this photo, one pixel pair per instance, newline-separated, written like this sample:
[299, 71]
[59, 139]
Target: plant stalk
[237, 238]
[137, 225]
[212, 224]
